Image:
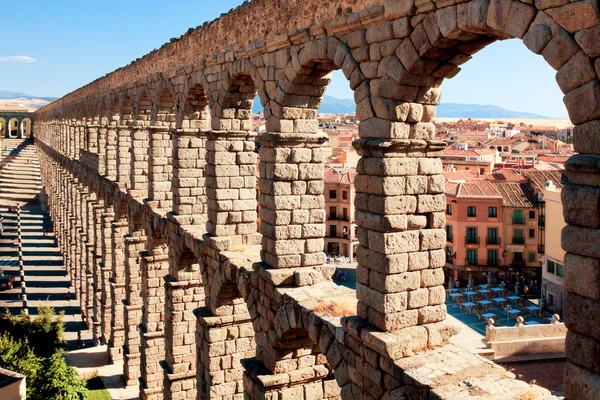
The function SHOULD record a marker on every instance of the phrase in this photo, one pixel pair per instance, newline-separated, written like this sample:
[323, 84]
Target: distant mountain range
[331, 105]
[27, 100]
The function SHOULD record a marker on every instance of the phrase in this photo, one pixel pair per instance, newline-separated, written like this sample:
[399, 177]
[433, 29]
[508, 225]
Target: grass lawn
[96, 388]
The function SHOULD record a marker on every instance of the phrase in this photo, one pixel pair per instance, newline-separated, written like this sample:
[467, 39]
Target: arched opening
[3, 127]
[13, 128]
[164, 109]
[195, 113]
[26, 128]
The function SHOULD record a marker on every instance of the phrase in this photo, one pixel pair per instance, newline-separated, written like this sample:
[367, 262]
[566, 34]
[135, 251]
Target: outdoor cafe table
[499, 299]
[455, 296]
[485, 303]
[488, 315]
[497, 289]
[470, 293]
[533, 308]
[451, 290]
[513, 298]
[469, 305]
[514, 311]
[484, 291]
[531, 323]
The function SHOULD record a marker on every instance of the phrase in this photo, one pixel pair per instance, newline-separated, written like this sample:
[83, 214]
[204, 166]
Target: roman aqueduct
[151, 179]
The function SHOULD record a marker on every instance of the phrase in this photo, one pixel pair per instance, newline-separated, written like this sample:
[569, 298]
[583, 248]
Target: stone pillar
[222, 342]
[292, 202]
[139, 161]
[160, 168]
[183, 295]
[188, 185]
[97, 221]
[155, 266]
[231, 189]
[106, 271]
[102, 135]
[117, 285]
[135, 244]
[400, 216]
[111, 151]
[581, 241]
[123, 157]
[92, 137]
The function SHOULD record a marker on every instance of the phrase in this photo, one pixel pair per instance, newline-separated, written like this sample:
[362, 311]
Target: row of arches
[15, 128]
[395, 60]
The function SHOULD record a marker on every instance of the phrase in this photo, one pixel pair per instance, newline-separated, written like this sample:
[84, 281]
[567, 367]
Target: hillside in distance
[8, 97]
[332, 105]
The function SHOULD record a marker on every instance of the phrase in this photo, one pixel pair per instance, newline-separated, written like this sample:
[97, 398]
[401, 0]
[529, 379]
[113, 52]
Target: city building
[553, 259]
[473, 229]
[479, 161]
[520, 224]
[340, 237]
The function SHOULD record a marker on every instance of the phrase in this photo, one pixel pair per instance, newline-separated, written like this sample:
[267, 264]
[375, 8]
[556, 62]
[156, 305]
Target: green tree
[17, 356]
[44, 333]
[34, 348]
[58, 381]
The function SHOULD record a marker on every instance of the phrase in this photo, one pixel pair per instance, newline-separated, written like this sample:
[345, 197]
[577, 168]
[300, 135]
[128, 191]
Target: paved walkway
[43, 273]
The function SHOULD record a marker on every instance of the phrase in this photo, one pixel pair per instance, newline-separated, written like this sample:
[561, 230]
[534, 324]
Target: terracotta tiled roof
[459, 175]
[460, 153]
[13, 108]
[553, 158]
[516, 195]
[339, 175]
[504, 175]
[538, 179]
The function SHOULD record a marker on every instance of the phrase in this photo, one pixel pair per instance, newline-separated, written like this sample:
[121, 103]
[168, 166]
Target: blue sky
[73, 42]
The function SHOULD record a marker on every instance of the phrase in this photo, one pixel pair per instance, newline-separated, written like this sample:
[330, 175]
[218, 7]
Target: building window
[531, 214]
[550, 300]
[550, 267]
[332, 194]
[332, 212]
[472, 236]
[532, 233]
[518, 237]
[471, 211]
[492, 236]
[531, 257]
[332, 231]
[345, 195]
[449, 209]
[560, 270]
[492, 212]
[345, 214]
[345, 232]
[449, 236]
[471, 257]
[518, 217]
[492, 257]
[518, 258]
[449, 254]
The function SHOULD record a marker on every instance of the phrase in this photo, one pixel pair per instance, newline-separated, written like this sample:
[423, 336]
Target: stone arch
[300, 90]
[163, 104]
[193, 110]
[3, 127]
[142, 105]
[26, 127]
[13, 130]
[231, 101]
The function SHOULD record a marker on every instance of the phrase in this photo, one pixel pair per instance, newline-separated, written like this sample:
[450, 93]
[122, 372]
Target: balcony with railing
[541, 248]
[494, 240]
[518, 240]
[450, 238]
[471, 239]
[483, 262]
[541, 221]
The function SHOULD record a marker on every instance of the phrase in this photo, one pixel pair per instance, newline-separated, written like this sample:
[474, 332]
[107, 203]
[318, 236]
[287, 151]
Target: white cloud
[17, 59]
